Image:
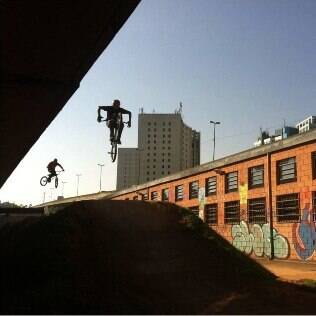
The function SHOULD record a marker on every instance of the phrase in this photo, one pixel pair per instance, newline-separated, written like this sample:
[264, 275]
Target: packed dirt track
[133, 257]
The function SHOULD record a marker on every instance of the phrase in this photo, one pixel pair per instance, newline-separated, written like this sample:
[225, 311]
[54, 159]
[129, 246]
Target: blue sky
[246, 63]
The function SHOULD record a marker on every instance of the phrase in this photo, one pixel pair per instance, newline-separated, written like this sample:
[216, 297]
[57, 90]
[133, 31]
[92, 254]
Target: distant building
[128, 161]
[285, 132]
[307, 124]
[165, 145]
[280, 133]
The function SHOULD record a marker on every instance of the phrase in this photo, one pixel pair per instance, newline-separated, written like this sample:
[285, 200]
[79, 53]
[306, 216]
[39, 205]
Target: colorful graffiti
[304, 235]
[201, 202]
[257, 240]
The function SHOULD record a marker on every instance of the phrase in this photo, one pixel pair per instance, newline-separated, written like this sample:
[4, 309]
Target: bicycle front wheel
[113, 151]
[43, 181]
[56, 182]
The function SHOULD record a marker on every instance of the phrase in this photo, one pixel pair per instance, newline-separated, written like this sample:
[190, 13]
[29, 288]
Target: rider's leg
[52, 174]
[111, 126]
[120, 133]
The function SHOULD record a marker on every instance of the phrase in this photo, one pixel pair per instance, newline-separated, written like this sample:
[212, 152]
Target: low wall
[292, 238]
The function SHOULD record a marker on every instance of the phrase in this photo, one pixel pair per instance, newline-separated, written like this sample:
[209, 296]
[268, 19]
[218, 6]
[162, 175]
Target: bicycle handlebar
[105, 120]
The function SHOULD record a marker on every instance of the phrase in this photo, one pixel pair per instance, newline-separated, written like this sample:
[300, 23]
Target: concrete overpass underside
[46, 49]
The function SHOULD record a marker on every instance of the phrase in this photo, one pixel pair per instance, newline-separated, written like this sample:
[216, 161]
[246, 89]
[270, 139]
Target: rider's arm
[123, 111]
[103, 108]
[60, 166]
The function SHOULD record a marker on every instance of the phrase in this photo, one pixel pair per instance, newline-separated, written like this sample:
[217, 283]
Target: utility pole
[261, 136]
[44, 193]
[78, 175]
[214, 124]
[101, 166]
[62, 189]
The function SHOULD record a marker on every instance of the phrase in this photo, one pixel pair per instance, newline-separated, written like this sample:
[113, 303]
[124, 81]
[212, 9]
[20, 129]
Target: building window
[210, 186]
[165, 194]
[194, 210]
[257, 211]
[231, 182]
[314, 206]
[154, 195]
[210, 211]
[288, 208]
[145, 196]
[314, 164]
[194, 190]
[179, 192]
[256, 177]
[232, 212]
[286, 170]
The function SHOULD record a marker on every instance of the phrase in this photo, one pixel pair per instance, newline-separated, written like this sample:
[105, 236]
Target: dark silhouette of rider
[51, 168]
[111, 118]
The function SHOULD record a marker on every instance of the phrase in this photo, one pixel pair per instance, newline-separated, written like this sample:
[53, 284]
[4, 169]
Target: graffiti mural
[257, 240]
[304, 234]
[201, 202]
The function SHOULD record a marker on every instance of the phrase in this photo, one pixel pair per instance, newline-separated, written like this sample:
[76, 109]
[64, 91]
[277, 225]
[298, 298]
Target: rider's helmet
[116, 103]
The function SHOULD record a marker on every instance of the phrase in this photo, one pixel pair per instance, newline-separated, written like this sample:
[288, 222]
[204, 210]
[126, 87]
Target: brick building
[235, 194]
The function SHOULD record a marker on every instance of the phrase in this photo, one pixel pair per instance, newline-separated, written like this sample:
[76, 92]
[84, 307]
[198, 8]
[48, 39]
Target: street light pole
[100, 165]
[214, 124]
[78, 175]
[51, 193]
[62, 189]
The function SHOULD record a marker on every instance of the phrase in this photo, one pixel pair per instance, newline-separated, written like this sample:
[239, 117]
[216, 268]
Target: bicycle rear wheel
[56, 182]
[43, 181]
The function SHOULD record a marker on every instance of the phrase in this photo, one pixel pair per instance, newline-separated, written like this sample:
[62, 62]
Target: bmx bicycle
[114, 143]
[47, 179]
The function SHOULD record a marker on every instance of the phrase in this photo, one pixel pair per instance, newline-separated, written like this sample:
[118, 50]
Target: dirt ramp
[129, 257]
